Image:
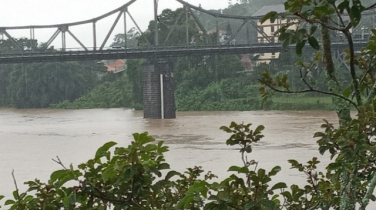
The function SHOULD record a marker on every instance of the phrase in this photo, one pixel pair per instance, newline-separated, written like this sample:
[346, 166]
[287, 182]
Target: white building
[266, 31]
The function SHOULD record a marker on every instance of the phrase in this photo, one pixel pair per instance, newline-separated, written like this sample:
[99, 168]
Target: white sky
[42, 12]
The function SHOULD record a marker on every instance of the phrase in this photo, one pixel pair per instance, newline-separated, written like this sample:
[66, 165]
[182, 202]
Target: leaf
[261, 173]
[268, 16]
[9, 202]
[213, 198]
[287, 194]
[250, 205]
[149, 148]
[344, 5]
[318, 134]
[239, 169]
[223, 206]
[312, 30]
[108, 173]
[128, 174]
[299, 47]
[279, 185]
[293, 162]
[248, 149]
[313, 42]
[143, 138]
[170, 174]
[355, 15]
[298, 195]
[163, 166]
[274, 171]
[323, 149]
[161, 148]
[259, 129]
[286, 44]
[334, 166]
[102, 151]
[15, 194]
[70, 175]
[268, 204]
[347, 92]
[226, 129]
[57, 174]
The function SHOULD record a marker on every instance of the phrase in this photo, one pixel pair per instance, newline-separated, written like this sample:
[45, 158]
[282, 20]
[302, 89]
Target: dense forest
[211, 82]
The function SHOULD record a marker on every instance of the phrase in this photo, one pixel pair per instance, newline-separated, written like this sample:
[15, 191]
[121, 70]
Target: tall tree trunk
[343, 111]
[342, 107]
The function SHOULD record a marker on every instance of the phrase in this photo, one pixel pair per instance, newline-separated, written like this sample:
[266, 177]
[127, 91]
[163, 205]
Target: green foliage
[125, 177]
[106, 95]
[38, 85]
[166, 23]
[243, 136]
[118, 90]
[351, 147]
[349, 180]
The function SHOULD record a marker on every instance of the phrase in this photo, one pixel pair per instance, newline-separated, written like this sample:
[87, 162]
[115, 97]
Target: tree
[171, 29]
[349, 176]
[132, 36]
[39, 85]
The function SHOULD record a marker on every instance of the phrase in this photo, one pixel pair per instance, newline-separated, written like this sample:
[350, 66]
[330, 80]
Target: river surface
[30, 139]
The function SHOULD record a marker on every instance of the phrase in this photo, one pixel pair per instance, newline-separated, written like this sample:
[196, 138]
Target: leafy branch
[268, 81]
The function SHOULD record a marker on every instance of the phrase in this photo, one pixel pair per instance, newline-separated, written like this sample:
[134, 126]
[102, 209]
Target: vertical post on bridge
[217, 29]
[32, 38]
[248, 42]
[63, 41]
[156, 19]
[63, 29]
[186, 23]
[125, 27]
[94, 36]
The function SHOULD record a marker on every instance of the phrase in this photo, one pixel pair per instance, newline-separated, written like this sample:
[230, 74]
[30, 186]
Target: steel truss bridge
[101, 50]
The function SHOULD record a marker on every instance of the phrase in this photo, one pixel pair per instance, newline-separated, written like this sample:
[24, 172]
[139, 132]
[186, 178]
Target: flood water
[30, 139]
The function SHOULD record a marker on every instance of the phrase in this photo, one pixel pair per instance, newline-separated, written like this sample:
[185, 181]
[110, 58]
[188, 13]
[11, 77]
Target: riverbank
[298, 103]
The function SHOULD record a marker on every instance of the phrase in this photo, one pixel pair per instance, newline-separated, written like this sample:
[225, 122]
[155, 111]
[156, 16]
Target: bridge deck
[152, 52]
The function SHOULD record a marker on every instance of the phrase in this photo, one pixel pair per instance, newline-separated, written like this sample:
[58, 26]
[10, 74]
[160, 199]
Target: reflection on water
[31, 138]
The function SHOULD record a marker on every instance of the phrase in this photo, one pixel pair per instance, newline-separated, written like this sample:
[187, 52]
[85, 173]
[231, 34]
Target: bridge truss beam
[26, 55]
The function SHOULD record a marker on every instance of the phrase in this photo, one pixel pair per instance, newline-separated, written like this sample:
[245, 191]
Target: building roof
[115, 65]
[264, 10]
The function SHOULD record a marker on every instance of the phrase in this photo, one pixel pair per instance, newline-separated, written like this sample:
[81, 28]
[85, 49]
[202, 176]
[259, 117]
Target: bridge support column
[158, 88]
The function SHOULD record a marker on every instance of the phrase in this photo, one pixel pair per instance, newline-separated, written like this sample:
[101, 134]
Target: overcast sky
[41, 12]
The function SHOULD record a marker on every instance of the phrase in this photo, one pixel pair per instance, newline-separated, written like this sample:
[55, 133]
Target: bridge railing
[156, 48]
[149, 52]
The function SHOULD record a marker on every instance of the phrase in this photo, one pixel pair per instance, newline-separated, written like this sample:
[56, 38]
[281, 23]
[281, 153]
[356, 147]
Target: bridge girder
[96, 53]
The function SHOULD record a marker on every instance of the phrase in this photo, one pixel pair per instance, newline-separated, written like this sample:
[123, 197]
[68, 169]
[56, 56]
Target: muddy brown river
[29, 139]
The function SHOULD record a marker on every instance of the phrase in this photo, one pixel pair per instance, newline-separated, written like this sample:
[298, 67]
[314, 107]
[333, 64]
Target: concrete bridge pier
[158, 88]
